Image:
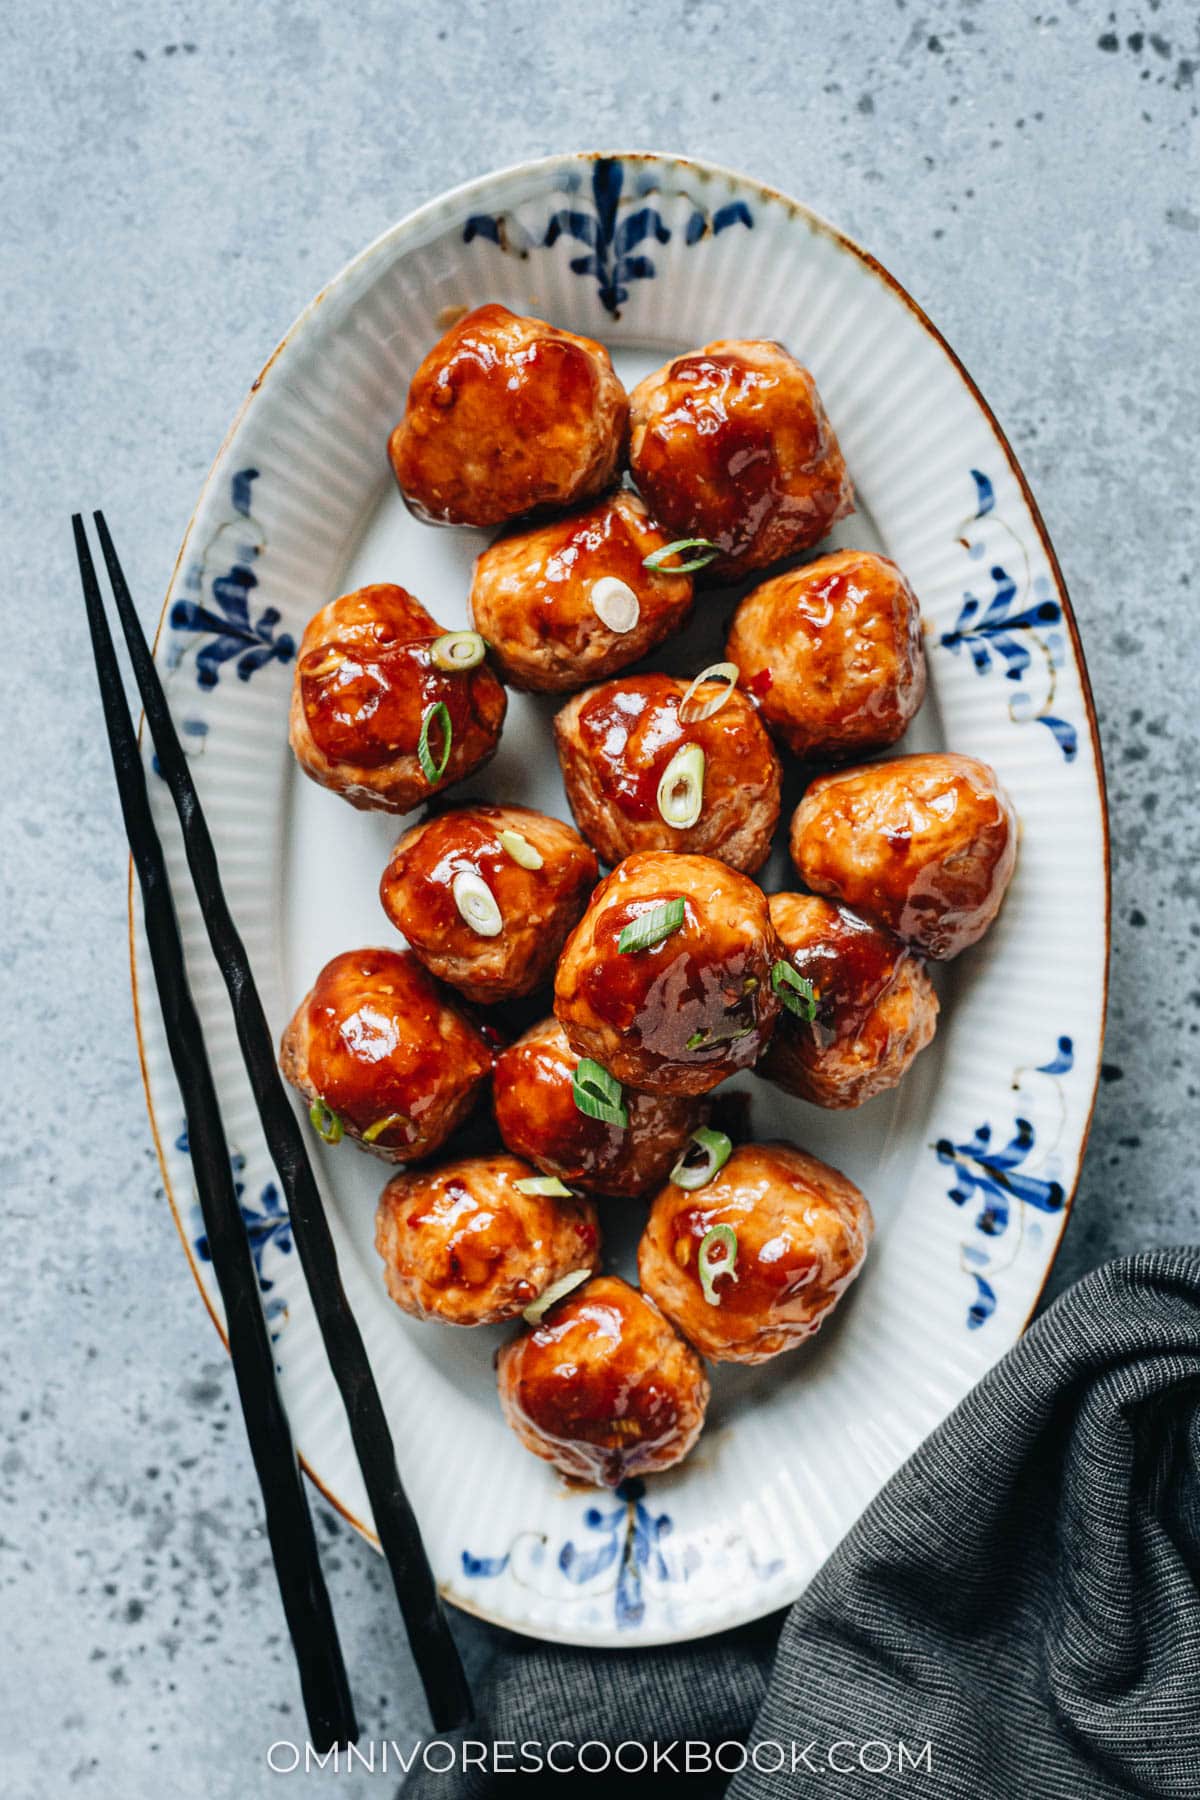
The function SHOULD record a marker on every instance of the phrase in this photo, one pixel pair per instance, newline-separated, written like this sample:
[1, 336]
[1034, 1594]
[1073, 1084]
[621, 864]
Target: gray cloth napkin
[1023, 1597]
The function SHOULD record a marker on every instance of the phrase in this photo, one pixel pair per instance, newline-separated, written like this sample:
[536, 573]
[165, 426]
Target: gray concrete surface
[175, 181]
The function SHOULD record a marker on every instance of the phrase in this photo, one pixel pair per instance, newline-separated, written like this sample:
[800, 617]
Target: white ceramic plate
[970, 1166]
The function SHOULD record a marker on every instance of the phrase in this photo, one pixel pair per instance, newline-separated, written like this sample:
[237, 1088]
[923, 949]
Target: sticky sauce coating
[375, 1040]
[876, 1008]
[681, 1015]
[603, 1388]
[463, 1244]
[533, 1092]
[533, 596]
[802, 1233]
[537, 907]
[507, 415]
[925, 845]
[616, 744]
[833, 654]
[366, 681]
[732, 444]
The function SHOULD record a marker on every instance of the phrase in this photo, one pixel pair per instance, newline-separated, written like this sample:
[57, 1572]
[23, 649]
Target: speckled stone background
[176, 181]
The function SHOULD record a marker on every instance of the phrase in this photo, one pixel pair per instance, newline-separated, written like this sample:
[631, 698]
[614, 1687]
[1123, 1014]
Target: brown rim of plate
[877, 269]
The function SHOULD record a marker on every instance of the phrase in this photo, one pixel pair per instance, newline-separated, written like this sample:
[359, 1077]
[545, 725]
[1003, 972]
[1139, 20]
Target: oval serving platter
[970, 1165]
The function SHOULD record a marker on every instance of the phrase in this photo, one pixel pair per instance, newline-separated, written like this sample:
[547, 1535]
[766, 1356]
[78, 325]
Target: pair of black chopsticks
[323, 1681]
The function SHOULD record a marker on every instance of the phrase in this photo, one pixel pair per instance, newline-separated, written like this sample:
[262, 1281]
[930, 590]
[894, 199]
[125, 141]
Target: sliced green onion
[476, 904]
[724, 672]
[795, 990]
[657, 558]
[438, 714]
[615, 604]
[381, 1125]
[715, 1150]
[565, 1284]
[325, 1122]
[547, 1185]
[521, 850]
[457, 651]
[597, 1095]
[708, 1040]
[724, 1238]
[681, 790]
[651, 927]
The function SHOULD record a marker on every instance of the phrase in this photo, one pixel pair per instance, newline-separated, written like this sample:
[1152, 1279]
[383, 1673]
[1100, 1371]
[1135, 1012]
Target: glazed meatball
[603, 1388]
[795, 1236]
[486, 896]
[507, 415]
[695, 1006]
[467, 1243]
[383, 1055]
[534, 1094]
[569, 602]
[873, 1006]
[833, 654]
[732, 444]
[644, 771]
[374, 670]
[922, 844]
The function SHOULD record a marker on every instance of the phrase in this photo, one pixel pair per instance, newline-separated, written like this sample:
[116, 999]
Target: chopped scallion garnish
[691, 709]
[439, 715]
[681, 790]
[549, 1186]
[457, 651]
[795, 990]
[707, 1153]
[657, 559]
[718, 1256]
[381, 1125]
[325, 1122]
[566, 1284]
[615, 604]
[521, 850]
[476, 903]
[651, 927]
[597, 1095]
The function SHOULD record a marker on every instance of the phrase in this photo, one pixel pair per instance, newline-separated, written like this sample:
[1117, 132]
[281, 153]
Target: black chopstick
[326, 1691]
[433, 1647]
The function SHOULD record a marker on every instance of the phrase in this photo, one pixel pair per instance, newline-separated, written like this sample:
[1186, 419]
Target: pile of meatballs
[674, 971]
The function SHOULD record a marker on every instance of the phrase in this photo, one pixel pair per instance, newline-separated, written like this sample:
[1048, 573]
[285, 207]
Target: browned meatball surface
[603, 1388]
[681, 1015]
[378, 1044]
[534, 1093]
[569, 602]
[460, 888]
[464, 1244]
[507, 415]
[872, 1003]
[923, 844]
[366, 680]
[802, 1232]
[731, 443]
[833, 654]
[620, 746]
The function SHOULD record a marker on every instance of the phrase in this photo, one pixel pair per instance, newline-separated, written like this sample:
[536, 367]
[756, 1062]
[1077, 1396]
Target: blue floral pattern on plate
[221, 602]
[268, 1228]
[1014, 624]
[1007, 1179]
[612, 254]
[625, 1552]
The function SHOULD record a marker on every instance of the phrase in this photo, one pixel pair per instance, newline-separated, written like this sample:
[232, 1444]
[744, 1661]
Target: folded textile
[1019, 1609]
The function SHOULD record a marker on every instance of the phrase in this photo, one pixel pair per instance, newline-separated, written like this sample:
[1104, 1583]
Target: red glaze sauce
[367, 707]
[534, 1094]
[768, 1275]
[669, 994]
[382, 1040]
[631, 730]
[851, 967]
